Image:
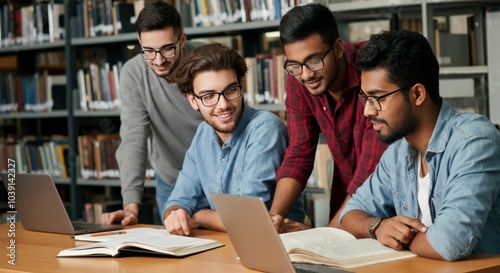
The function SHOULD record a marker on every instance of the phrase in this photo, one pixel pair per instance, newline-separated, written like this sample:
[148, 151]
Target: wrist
[373, 226]
[132, 208]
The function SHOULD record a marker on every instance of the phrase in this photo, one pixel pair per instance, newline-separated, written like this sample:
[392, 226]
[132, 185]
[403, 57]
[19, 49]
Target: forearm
[335, 220]
[208, 219]
[131, 155]
[420, 246]
[356, 222]
[287, 192]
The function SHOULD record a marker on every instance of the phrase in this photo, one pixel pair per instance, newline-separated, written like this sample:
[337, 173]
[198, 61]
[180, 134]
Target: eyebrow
[163, 46]
[373, 92]
[204, 92]
[307, 58]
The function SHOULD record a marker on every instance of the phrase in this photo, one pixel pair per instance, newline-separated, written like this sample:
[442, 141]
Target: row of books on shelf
[99, 87]
[266, 79]
[40, 92]
[206, 13]
[113, 17]
[36, 22]
[96, 157]
[106, 17]
[37, 155]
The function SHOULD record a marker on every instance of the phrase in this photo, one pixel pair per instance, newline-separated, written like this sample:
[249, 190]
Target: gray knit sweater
[151, 104]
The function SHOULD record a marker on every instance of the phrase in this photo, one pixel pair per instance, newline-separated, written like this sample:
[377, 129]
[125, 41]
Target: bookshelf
[251, 32]
[462, 51]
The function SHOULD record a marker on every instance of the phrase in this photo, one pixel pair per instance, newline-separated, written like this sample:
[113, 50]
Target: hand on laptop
[127, 216]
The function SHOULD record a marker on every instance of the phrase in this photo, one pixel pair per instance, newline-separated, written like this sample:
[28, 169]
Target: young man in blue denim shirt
[436, 188]
[236, 150]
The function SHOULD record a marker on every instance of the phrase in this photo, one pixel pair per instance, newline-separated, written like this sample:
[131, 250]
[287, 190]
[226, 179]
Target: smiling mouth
[226, 115]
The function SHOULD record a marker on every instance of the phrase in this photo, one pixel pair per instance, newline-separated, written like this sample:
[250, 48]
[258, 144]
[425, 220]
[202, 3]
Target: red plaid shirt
[348, 133]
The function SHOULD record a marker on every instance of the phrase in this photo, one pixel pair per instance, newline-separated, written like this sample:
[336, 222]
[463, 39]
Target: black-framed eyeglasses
[166, 52]
[314, 64]
[230, 93]
[375, 100]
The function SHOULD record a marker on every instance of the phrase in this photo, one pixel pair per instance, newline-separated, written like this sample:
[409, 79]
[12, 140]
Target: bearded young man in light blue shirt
[436, 188]
[237, 150]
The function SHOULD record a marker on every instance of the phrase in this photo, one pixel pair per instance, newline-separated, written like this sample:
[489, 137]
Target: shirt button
[223, 160]
[404, 207]
[324, 108]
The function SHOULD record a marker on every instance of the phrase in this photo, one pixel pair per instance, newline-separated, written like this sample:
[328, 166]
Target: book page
[159, 242]
[347, 253]
[312, 237]
[167, 243]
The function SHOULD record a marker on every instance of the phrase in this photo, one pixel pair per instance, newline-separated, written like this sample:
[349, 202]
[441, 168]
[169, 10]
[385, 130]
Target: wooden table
[36, 252]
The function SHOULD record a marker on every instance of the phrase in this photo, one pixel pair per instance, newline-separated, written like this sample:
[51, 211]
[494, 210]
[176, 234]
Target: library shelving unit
[456, 29]
[392, 12]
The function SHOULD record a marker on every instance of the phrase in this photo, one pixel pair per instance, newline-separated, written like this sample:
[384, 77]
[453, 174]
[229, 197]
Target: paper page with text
[316, 236]
[338, 248]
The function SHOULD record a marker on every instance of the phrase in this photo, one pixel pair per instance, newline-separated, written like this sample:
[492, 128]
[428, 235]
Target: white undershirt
[423, 189]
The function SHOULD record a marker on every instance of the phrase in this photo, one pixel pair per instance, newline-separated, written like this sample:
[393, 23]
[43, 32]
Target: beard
[166, 73]
[225, 128]
[405, 125]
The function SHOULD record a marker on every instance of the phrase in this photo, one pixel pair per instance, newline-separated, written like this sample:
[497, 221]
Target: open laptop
[255, 238]
[40, 208]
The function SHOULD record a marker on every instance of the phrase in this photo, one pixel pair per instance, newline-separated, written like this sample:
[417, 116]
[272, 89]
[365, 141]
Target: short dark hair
[159, 15]
[406, 56]
[302, 21]
[210, 57]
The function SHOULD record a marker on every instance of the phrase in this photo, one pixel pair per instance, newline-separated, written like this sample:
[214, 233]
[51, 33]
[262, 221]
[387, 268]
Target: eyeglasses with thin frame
[230, 93]
[314, 64]
[166, 52]
[375, 100]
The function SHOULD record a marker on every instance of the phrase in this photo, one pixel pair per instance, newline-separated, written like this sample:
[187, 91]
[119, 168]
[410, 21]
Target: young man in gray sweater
[152, 105]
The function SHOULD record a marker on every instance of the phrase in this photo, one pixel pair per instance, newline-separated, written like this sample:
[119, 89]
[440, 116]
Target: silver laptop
[255, 238]
[39, 206]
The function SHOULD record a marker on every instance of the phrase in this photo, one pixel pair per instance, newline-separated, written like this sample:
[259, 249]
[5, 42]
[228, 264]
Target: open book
[338, 248]
[157, 242]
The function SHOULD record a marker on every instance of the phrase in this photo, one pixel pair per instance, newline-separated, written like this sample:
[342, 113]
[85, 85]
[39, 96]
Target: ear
[338, 48]
[183, 39]
[419, 94]
[193, 101]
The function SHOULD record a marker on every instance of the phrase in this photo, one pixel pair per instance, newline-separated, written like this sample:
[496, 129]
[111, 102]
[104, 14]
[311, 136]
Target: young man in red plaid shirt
[322, 97]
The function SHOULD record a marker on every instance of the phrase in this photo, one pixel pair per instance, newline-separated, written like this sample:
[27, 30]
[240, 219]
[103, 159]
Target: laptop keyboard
[84, 225]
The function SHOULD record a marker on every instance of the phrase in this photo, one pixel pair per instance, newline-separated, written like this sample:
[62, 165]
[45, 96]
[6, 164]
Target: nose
[223, 102]
[306, 73]
[159, 59]
[368, 110]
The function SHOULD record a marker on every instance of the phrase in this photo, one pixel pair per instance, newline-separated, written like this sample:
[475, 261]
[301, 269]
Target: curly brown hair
[210, 57]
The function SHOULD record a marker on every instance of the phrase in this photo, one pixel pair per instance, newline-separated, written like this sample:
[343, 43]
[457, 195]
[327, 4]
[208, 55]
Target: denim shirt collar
[442, 129]
[440, 134]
